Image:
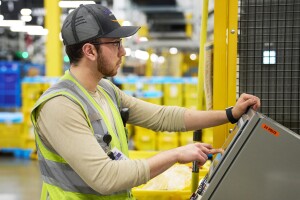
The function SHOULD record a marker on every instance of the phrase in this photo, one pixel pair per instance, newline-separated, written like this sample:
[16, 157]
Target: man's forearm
[161, 162]
[195, 119]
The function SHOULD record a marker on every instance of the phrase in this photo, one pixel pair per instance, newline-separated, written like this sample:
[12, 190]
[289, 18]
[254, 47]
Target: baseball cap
[91, 21]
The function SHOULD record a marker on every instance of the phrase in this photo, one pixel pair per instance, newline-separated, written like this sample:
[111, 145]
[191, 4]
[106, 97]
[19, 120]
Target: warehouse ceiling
[166, 20]
[10, 9]
[171, 22]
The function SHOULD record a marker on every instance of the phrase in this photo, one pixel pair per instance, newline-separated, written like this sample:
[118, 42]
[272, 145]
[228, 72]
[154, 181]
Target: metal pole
[54, 61]
[198, 134]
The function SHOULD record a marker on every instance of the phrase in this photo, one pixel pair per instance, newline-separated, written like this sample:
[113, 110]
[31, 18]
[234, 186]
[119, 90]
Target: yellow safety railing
[224, 66]
[225, 48]
[200, 88]
[54, 62]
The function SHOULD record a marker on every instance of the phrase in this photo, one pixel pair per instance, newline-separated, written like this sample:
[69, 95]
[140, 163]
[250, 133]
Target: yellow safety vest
[60, 181]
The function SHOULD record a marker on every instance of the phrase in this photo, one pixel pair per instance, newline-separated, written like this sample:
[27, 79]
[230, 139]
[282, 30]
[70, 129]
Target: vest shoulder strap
[110, 89]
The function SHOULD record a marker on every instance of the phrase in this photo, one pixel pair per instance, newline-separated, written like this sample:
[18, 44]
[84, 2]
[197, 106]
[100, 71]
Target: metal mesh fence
[269, 57]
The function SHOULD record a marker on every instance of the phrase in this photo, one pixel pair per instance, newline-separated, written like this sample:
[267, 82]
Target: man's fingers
[251, 99]
[215, 151]
[208, 149]
[208, 146]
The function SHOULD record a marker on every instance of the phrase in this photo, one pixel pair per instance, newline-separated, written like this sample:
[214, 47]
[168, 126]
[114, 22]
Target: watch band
[230, 116]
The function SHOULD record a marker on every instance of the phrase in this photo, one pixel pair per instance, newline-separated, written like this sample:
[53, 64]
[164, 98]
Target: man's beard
[104, 67]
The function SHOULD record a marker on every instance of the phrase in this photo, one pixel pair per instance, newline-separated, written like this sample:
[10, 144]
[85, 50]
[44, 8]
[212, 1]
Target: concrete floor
[19, 179]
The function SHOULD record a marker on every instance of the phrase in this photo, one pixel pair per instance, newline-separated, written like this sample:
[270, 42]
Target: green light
[18, 54]
[25, 54]
[66, 59]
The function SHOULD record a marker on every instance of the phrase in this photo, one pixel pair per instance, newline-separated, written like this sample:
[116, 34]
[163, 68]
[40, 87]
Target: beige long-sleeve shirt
[64, 128]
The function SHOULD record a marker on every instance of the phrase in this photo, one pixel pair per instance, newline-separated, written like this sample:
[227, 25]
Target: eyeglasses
[117, 44]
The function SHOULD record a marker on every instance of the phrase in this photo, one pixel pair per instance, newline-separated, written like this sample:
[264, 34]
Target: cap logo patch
[106, 11]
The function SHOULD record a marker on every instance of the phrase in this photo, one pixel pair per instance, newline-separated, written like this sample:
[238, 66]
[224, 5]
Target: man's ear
[89, 51]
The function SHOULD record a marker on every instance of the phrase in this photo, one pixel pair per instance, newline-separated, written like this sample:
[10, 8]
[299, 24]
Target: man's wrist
[229, 115]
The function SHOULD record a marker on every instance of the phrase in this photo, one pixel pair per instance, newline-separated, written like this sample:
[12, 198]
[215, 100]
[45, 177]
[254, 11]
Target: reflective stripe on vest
[66, 195]
[57, 175]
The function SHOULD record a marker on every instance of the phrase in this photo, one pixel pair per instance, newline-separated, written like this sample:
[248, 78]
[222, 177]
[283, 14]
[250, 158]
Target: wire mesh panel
[269, 57]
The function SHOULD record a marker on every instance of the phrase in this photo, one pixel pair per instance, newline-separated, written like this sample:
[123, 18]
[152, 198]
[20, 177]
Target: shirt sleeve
[64, 128]
[153, 116]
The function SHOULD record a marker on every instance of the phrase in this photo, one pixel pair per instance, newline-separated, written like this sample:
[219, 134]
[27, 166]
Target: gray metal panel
[260, 165]
[241, 133]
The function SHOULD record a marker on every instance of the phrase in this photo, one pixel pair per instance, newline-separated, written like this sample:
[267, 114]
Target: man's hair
[75, 53]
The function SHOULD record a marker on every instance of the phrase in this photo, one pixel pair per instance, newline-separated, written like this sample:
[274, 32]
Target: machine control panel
[204, 183]
[249, 168]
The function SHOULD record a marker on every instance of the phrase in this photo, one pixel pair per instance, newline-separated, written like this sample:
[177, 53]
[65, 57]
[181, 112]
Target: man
[80, 136]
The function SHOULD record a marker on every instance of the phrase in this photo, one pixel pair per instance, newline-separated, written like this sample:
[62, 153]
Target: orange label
[270, 130]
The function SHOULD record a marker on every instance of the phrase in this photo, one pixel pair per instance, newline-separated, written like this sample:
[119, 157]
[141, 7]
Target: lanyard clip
[106, 139]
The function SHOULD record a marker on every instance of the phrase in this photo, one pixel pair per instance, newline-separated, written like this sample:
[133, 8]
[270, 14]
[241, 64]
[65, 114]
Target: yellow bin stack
[11, 134]
[190, 97]
[144, 139]
[172, 90]
[32, 89]
[167, 140]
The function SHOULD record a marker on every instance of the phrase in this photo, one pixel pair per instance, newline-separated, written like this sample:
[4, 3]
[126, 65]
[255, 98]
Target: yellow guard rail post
[224, 65]
[54, 62]
[225, 54]
[200, 106]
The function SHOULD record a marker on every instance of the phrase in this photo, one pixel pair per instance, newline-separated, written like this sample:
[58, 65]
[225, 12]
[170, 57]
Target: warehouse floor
[19, 179]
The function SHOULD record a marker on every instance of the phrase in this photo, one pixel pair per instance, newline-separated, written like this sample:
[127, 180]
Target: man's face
[110, 57]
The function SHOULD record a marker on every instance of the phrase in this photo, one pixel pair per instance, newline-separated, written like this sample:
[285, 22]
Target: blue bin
[10, 84]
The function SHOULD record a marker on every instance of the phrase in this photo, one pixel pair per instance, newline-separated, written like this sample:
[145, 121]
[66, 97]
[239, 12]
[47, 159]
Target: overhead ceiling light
[143, 39]
[25, 28]
[142, 55]
[161, 59]
[193, 56]
[25, 11]
[154, 57]
[173, 50]
[30, 29]
[26, 18]
[73, 4]
[38, 32]
[126, 23]
[9, 23]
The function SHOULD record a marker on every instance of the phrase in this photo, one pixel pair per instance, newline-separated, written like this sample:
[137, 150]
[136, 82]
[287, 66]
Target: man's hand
[195, 152]
[184, 154]
[243, 103]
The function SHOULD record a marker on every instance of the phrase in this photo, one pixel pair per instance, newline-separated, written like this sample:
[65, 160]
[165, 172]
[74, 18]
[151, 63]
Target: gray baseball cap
[91, 21]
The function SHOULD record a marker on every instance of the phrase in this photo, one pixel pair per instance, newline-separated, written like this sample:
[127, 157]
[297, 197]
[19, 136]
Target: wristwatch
[230, 116]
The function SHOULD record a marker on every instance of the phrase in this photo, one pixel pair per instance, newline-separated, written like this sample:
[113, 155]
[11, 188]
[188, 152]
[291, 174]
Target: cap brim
[122, 32]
